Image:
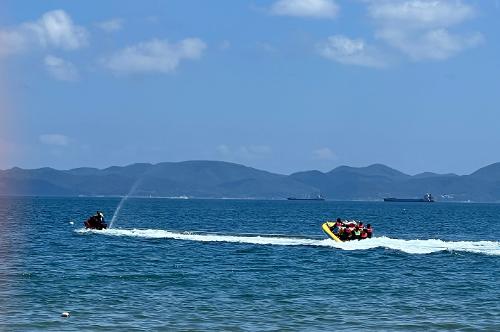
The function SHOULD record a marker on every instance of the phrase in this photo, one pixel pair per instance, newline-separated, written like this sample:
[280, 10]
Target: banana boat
[327, 229]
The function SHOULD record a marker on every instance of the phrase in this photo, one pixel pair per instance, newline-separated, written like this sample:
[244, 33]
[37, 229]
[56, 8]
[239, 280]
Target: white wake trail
[408, 246]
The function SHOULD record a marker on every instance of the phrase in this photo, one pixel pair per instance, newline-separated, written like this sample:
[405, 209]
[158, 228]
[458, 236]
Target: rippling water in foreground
[247, 265]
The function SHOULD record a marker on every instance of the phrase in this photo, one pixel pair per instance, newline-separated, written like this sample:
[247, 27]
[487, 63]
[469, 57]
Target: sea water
[247, 265]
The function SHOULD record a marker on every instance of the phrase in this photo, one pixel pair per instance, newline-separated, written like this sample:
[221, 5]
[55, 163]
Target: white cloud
[421, 13]
[55, 29]
[324, 154]
[54, 139]
[112, 25]
[155, 56]
[436, 44]
[306, 8]
[349, 51]
[420, 28]
[61, 69]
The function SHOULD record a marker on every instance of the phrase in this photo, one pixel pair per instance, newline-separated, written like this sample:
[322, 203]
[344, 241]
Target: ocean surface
[245, 265]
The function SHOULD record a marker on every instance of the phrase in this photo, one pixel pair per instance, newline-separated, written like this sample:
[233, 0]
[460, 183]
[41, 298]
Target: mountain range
[217, 179]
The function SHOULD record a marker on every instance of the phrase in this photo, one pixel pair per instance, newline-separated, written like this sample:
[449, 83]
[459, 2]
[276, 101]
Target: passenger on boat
[369, 230]
[347, 234]
[343, 234]
[357, 233]
[341, 231]
[336, 228]
[351, 230]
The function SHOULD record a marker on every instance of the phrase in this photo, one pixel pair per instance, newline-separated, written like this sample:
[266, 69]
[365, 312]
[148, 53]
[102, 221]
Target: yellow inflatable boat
[327, 229]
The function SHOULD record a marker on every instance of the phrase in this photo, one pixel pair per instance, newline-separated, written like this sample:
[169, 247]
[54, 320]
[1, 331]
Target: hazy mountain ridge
[216, 179]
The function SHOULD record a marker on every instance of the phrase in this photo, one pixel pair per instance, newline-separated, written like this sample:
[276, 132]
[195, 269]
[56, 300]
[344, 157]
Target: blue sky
[282, 85]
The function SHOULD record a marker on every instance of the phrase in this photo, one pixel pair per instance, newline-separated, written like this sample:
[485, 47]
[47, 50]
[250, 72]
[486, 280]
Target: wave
[407, 246]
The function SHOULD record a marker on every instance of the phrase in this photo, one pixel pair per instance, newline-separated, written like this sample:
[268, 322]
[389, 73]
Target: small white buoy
[65, 314]
[71, 223]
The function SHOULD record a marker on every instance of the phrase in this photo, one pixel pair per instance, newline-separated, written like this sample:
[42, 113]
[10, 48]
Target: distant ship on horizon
[316, 198]
[426, 199]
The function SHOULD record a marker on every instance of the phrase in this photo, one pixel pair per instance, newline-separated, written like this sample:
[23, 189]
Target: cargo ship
[317, 198]
[426, 199]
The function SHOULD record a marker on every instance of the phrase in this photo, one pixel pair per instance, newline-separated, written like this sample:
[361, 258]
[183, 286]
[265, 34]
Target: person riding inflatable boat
[342, 231]
[96, 222]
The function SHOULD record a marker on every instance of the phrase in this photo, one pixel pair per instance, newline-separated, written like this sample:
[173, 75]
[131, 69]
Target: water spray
[124, 198]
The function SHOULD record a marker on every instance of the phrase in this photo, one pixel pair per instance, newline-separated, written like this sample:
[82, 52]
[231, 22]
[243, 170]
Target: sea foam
[407, 246]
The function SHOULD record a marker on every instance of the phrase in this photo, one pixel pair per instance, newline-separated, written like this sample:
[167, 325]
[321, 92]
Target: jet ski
[96, 222]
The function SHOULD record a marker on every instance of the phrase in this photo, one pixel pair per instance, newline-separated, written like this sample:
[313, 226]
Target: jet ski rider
[99, 216]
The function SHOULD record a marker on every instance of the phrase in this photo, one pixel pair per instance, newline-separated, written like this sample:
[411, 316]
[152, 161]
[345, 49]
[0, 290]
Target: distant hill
[216, 179]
